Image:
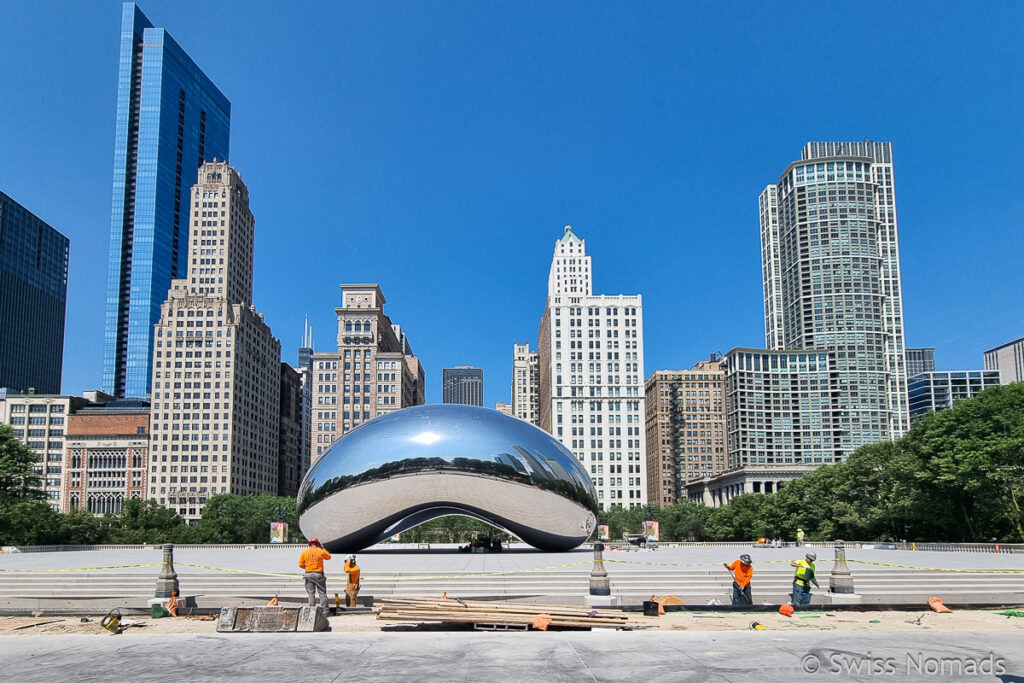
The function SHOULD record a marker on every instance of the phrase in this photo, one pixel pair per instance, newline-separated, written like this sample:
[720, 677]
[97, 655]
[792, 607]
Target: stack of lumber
[499, 613]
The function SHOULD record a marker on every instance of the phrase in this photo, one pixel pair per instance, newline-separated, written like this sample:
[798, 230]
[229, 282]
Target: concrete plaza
[556, 656]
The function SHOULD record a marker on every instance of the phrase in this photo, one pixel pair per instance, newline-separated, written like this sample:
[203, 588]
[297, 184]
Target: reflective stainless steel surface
[405, 468]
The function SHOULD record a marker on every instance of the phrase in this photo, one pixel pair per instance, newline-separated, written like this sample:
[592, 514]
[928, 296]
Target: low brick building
[106, 456]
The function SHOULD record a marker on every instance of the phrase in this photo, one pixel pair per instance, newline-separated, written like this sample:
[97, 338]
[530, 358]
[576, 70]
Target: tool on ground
[757, 626]
[112, 622]
[1011, 613]
[337, 601]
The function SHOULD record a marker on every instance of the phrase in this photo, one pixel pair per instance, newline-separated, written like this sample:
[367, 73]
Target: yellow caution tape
[942, 569]
[691, 564]
[399, 577]
[84, 569]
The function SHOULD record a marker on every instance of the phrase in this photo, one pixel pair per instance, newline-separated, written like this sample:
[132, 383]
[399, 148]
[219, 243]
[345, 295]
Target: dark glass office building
[463, 384]
[33, 291]
[930, 392]
[170, 119]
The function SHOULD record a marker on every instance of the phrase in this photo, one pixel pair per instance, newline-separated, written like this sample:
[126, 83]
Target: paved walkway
[596, 656]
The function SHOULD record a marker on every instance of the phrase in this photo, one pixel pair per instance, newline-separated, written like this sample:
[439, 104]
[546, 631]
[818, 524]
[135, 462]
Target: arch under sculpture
[405, 468]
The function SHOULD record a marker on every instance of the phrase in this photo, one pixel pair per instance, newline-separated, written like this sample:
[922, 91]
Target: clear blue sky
[439, 148]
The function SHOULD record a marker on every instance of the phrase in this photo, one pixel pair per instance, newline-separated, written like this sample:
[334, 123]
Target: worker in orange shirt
[742, 569]
[312, 561]
[352, 589]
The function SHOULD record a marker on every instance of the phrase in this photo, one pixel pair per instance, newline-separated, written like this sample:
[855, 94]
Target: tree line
[957, 476]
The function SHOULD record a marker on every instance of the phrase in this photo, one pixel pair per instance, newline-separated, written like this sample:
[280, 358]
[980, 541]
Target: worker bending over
[803, 578]
[742, 569]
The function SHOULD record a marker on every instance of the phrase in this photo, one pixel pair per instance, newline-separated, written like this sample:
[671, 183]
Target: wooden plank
[491, 617]
[494, 615]
[575, 613]
[501, 607]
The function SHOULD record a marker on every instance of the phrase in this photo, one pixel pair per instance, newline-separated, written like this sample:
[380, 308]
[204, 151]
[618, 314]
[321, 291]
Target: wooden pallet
[500, 614]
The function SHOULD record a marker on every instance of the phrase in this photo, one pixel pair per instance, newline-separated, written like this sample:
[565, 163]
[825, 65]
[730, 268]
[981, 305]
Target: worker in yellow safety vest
[803, 578]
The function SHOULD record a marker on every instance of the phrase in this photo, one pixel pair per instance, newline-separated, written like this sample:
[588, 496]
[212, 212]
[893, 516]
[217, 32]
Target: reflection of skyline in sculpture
[402, 469]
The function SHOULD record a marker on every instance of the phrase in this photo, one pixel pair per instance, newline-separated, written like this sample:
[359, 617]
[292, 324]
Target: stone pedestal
[602, 601]
[841, 581]
[599, 584]
[184, 602]
[167, 582]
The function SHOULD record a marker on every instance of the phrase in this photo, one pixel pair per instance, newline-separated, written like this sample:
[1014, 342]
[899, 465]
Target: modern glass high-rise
[463, 384]
[170, 119]
[33, 291]
[933, 391]
[830, 258]
[919, 361]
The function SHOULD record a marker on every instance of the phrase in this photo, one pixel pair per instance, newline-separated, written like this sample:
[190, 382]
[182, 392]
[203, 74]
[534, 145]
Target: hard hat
[811, 556]
[351, 557]
[313, 541]
[745, 559]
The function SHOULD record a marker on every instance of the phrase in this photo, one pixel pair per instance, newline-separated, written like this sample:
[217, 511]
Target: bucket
[650, 608]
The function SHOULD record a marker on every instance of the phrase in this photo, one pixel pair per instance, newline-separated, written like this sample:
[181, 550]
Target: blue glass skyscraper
[170, 119]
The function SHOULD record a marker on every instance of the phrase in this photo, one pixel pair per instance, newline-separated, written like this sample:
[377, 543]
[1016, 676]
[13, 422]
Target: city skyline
[657, 187]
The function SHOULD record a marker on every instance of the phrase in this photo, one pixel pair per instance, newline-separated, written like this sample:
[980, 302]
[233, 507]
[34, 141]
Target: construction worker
[803, 578]
[799, 537]
[742, 569]
[312, 561]
[352, 589]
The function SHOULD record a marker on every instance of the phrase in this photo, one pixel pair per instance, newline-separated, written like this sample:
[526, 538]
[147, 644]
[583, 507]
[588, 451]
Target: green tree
[231, 518]
[452, 529]
[687, 520]
[145, 521]
[17, 479]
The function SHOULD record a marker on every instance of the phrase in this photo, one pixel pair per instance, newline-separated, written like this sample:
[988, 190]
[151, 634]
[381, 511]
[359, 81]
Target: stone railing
[157, 546]
[995, 548]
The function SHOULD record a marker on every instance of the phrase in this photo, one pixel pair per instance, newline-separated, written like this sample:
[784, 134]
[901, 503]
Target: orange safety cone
[273, 601]
[936, 605]
[445, 596]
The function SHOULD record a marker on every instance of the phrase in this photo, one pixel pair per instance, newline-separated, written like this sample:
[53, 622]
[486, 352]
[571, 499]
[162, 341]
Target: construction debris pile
[501, 615]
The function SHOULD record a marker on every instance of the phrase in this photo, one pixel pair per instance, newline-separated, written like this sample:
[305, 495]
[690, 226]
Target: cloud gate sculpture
[405, 468]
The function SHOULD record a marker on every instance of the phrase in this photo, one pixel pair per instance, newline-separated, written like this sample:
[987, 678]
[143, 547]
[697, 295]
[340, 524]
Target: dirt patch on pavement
[843, 621]
[690, 621]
